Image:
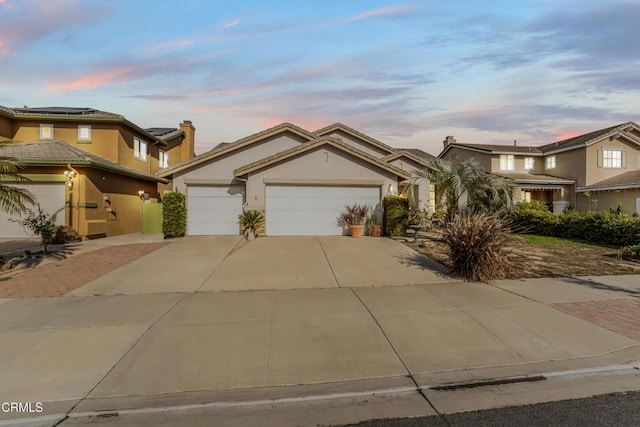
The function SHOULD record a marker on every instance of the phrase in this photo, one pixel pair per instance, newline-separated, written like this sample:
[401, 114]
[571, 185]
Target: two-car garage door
[291, 210]
[313, 210]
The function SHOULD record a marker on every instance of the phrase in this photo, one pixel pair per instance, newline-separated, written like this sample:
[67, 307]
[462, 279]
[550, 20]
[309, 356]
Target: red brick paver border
[60, 277]
[618, 315]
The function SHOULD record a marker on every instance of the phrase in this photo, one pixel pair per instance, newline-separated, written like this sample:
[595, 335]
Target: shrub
[63, 234]
[534, 218]
[38, 224]
[395, 215]
[174, 215]
[599, 227]
[629, 251]
[476, 245]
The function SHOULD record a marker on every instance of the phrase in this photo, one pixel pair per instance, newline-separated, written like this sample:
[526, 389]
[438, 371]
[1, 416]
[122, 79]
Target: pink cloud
[396, 10]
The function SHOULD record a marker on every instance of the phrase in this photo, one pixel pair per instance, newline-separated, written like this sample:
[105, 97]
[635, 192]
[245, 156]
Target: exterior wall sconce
[141, 194]
[70, 174]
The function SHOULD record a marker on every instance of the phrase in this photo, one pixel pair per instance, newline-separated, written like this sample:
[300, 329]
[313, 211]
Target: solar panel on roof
[56, 110]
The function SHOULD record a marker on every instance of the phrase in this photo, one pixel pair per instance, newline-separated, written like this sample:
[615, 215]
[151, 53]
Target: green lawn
[552, 241]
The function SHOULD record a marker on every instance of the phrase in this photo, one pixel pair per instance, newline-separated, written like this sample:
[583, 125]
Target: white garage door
[51, 200]
[313, 211]
[213, 210]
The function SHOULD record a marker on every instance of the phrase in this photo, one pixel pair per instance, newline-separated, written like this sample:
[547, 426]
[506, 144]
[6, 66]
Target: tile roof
[498, 148]
[535, 178]
[224, 146]
[74, 114]
[419, 153]
[347, 129]
[336, 142]
[60, 152]
[629, 179]
[580, 140]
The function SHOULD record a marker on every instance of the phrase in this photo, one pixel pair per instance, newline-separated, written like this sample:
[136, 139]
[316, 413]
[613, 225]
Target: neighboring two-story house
[90, 169]
[301, 180]
[596, 170]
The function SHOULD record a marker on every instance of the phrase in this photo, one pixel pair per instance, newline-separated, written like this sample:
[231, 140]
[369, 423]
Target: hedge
[395, 215]
[174, 215]
[597, 227]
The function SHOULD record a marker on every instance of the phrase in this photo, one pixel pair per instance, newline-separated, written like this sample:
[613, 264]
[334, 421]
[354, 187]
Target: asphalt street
[616, 409]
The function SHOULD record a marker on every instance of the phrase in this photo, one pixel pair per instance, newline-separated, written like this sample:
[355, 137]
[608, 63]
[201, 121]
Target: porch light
[141, 194]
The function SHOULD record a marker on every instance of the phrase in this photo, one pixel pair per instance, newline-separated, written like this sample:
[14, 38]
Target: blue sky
[407, 73]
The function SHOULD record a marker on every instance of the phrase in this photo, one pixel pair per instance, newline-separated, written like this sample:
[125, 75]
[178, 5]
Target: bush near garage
[598, 227]
[64, 234]
[174, 215]
[395, 217]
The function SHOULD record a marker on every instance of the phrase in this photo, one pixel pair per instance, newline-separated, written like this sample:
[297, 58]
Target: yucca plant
[251, 223]
[476, 245]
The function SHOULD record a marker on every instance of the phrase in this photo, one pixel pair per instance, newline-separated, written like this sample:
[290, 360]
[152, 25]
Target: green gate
[151, 218]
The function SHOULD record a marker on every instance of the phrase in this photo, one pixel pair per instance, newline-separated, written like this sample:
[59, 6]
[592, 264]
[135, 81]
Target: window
[46, 132]
[529, 163]
[163, 159]
[84, 133]
[551, 162]
[611, 158]
[139, 149]
[526, 196]
[506, 162]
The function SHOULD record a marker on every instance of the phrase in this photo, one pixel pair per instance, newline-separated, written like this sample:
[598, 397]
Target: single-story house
[301, 180]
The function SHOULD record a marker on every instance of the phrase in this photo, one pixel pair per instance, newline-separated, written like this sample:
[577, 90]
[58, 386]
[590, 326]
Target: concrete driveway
[229, 263]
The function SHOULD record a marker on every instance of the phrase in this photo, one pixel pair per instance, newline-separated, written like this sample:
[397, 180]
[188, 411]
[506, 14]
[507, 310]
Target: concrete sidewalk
[93, 353]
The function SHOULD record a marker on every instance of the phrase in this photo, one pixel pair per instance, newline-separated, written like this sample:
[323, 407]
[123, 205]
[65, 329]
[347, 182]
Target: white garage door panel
[213, 210]
[309, 210]
[51, 200]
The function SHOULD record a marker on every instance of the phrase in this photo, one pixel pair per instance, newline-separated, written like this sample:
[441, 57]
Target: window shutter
[600, 157]
[624, 159]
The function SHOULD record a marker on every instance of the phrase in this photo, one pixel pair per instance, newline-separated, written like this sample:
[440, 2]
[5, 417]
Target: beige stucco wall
[595, 174]
[610, 199]
[359, 144]
[518, 164]
[459, 154]
[323, 163]
[222, 167]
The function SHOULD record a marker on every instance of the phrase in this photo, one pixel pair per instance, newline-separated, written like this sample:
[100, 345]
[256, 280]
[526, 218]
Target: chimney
[515, 142]
[448, 140]
[189, 143]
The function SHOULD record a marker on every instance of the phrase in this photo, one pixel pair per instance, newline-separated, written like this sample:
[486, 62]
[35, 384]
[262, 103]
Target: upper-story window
[550, 162]
[46, 132]
[84, 133]
[611, 158]
[529, 163]
[139, 149]
[507, 162]
[163, 159]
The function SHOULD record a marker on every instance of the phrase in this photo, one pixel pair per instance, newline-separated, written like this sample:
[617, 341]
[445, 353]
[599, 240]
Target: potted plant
[374, 226]
[251, 223]
[355, 216]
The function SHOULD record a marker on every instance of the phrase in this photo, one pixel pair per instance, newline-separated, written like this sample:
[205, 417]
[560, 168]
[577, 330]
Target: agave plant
[251, 222]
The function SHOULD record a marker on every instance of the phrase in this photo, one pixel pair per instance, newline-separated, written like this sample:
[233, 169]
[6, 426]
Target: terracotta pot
[375, 230]
[356, 230]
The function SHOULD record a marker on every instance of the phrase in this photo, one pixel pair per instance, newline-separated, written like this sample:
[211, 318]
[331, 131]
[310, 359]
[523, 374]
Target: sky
[406, 73]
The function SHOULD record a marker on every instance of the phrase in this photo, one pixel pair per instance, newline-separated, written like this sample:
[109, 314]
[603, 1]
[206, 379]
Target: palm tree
[13, 200]
[466, 185]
